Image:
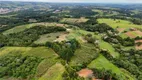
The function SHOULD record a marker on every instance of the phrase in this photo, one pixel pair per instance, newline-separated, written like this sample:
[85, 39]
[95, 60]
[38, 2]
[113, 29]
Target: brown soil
[138, 47]
[121, 29]
[130, 34]
[62, 37]
[85, 73]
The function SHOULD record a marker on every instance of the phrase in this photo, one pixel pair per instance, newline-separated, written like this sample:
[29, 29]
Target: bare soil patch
[138, 47]
[120, 29]
[130, 34]
[85, 73]
[62, 37]
[134, 34]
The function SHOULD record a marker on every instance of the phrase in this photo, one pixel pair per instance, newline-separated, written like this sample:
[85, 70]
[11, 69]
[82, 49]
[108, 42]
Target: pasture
[101, 62]
[38, 51]
[73, 20]
[123, 25]
[54, 73]
[118, 23]
[45, 65]
[85, 54]
[27, 26]
[133, 34]
[109, 48]
[49, 37]
[105, 12]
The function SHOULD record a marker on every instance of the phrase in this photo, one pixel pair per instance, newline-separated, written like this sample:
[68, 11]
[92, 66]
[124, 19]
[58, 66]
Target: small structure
[133, 29]
[85, 73]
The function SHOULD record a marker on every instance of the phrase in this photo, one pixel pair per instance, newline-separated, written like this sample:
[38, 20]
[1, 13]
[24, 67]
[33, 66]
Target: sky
[83, 1]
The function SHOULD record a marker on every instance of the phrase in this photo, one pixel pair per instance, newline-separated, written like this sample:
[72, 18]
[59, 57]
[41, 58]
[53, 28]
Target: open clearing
[105, 12]
[83, 55]
[85, 73]
[119, 23]
[122, 25]
[138, 47]
[45, 65]
[133, 34]
[61, 37]
[73, 20]
[120, 29]
[101, 62]
[38, 51]
[24, 27]
[54, 73]
[49, 37]
[109, 48]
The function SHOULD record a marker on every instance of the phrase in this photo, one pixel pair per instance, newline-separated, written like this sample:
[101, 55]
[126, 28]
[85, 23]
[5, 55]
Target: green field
[54, 73]
[101, 62]
[107, 46]
[85, 54]
[27, 26]
[105, 13]
[45, 65]
[111, 50]
[73, 20]
[48, 37]
[38, 51]
[9, 50]
[122, 24]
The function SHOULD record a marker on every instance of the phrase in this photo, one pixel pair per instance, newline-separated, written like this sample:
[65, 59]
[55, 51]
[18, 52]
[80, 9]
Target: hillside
[59, 41]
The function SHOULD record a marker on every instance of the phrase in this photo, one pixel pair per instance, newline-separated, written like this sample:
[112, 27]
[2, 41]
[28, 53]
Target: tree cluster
[64, 49]
[27, 37]
[17, 65]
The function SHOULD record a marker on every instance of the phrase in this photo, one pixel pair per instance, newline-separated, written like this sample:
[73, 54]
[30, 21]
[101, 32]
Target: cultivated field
[109, 48]
[49, 37]
[24, 27]
[73, 20]
[101, 62]
[84, 55]
[105, 12]
[123, 25]
[38, 51]
[118, 23]
[54, 73]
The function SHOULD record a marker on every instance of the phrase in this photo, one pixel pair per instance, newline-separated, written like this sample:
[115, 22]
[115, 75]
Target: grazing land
[101, 62]
[70, 41]
[73, 20]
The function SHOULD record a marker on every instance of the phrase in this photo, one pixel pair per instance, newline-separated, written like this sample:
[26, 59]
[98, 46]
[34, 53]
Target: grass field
[101, 62]
[48, 37]
[38, 51]
[27, 26]
[73, 20]
[106, 45]
[10, 50]
[111, 50]
[45, 65]
[85, 54]
[54, 73]
[122, 24]
[106, 13]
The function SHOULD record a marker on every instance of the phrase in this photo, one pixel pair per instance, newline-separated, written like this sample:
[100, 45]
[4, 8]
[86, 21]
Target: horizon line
[77, 2]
